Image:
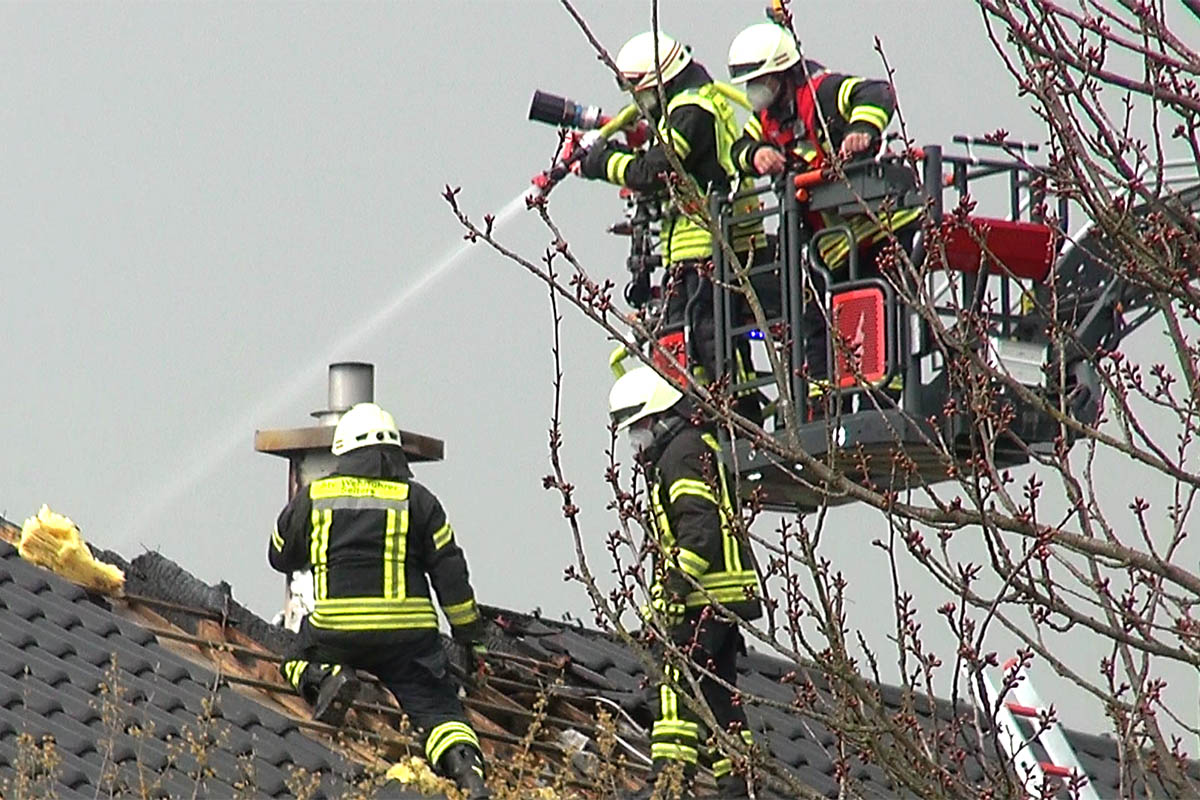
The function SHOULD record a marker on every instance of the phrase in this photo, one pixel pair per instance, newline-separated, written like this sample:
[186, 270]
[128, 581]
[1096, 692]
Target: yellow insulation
[52, 541]
[415, 773]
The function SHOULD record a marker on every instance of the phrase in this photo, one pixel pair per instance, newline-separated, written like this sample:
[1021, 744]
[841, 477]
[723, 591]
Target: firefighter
[699, 123]
[374, 539]
[700, 559]
[804, 114]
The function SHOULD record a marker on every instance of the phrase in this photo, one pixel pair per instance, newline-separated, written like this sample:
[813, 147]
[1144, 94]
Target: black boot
[464, 765]
[732, 787]
[333, 700]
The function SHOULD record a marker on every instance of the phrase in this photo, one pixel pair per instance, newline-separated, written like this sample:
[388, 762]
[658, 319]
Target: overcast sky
[201, 203]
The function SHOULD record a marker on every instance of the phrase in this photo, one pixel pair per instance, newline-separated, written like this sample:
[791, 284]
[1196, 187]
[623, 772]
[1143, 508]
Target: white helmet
[364, 424]
[638, 394]
[636, 60]
[760, 50]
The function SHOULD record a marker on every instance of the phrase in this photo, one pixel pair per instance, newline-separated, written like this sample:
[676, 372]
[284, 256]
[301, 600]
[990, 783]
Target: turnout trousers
[411, 664]
[678, 734]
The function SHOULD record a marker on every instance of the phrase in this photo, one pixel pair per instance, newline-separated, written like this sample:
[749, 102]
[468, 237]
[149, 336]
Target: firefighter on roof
[701, 558]
[700, 125]
[371, 536]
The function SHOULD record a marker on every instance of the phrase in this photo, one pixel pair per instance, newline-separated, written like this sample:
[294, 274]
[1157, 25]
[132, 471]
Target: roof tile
[57, 648]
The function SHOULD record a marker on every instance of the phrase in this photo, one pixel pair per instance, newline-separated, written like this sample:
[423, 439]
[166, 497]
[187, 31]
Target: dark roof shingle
[113, 698]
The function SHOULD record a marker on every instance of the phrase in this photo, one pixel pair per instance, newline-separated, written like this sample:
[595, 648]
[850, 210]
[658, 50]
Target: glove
[474, 655]
[595, 162]
[663, 610]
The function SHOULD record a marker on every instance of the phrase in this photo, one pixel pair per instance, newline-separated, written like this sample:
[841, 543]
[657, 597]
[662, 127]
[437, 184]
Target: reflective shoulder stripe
[462, 613]
[682, 146]
[843, 95]
[443, 536]
[276, 539]
[873, 115]
[753, 128]
[689, 486]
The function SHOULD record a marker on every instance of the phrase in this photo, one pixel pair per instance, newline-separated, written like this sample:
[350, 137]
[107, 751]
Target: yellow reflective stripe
[462, 613]
[674, 752]
[318, 550]
[873, 115]
[615, 168]
[389, 556]
[685, 240]
[347, 486]
[843, 96]
[314, 538]
[729, 545]
[339, 604]
[738, 594]
[442, 536]
[663, 727]
[445, 736]
[692, 487]
[683, 147]
[753, 128]
[692, 563]
[717, 580]
[661, 521]
[722, 767]
[326, 522]
[293, 670]
[276, 539]
[374, 622]
[667, 699]
[898, 219]
[834, 249]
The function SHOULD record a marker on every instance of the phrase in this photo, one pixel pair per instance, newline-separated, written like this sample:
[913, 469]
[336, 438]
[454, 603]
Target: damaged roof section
[562, 705]
[93, 704]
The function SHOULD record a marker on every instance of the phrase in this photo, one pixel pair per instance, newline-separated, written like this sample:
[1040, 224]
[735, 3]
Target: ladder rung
[1056, 770]
[1022, 711]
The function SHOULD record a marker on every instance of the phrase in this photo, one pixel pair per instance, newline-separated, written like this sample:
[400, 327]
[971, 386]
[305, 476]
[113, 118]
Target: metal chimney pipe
[350, 382]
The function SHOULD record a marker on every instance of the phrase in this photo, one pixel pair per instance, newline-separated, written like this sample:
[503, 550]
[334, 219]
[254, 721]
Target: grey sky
[198, 201]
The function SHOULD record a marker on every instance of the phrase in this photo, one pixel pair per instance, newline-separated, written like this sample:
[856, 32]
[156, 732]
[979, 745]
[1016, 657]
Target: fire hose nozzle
[561, 111]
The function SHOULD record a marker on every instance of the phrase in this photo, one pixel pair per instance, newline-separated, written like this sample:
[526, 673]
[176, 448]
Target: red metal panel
[1024, 249]
[859, 316]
